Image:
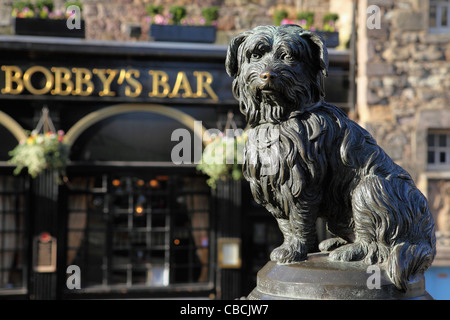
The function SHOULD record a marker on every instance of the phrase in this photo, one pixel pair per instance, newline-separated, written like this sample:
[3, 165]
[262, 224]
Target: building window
[439, 16]
[438, 156]
[139, 230]
[12, 244]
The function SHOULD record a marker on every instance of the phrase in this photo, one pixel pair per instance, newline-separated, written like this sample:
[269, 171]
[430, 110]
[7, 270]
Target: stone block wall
[109, 19]
[402, 70]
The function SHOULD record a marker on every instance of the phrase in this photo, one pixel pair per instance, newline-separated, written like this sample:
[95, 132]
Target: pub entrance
[137, 224]
[140, 232]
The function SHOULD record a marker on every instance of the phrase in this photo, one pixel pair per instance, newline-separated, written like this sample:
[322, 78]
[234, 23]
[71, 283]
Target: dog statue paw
[306, 159]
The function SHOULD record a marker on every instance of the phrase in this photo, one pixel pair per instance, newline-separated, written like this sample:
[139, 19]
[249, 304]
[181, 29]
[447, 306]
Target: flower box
[47, 28]
[331, 38]
[182, 33]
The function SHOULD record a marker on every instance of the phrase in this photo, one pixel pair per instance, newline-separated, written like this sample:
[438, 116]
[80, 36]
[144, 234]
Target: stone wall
[404, 91]
[109, 19]
[402, 70]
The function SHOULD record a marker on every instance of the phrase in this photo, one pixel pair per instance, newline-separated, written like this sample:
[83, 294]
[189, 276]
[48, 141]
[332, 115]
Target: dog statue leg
[292, 250]
[331, 244]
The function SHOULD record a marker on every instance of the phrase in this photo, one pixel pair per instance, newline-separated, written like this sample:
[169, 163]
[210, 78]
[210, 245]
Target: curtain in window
[198, 204]
[78, 213]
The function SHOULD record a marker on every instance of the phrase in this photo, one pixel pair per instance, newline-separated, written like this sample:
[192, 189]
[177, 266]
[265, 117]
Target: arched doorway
[136, 221]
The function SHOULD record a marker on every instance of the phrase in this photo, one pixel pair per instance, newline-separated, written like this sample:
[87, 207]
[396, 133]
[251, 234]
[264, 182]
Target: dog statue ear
[320, 43]
[231, 62]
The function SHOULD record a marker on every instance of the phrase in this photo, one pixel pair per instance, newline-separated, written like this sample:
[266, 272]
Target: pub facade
[125, 220]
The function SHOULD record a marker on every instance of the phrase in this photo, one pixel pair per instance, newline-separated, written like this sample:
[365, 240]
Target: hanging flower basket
[223, 157]
[41, 151]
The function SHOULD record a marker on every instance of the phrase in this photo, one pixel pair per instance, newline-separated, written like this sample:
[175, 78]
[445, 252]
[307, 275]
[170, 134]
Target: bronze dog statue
[305, 159]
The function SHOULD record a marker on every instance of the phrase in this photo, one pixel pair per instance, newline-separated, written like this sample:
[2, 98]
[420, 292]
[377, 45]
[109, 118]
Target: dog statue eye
[256, 55]
[287, 57]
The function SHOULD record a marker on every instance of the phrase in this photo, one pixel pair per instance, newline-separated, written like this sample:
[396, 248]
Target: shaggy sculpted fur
[306, 159]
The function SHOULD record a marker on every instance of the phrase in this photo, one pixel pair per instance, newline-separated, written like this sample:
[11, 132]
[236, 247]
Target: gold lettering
[83, 76]
[160, 79]
[49, 80]
[182, 82]
[204, 80]
[106, 81]
[62, 76]
[13, 74]
[134, 83]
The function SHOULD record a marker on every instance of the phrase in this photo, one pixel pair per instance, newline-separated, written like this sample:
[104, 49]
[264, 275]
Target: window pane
[444, 16]
[430, 157]
[442, 158]
[433, 16]
[442, 140]
[431, 140]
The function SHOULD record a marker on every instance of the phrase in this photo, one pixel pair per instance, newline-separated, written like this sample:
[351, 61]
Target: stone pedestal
[319, 278]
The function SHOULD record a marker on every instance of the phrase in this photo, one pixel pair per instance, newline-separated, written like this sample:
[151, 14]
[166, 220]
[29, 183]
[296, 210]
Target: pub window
[139, 231]
[439, 19]
[12, 244]
[438, 156]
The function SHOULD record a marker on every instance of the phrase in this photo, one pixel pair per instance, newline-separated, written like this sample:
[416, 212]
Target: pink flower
[286, 21]
[159, 19]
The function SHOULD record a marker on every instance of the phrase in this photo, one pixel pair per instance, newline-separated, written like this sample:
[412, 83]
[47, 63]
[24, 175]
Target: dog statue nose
[268, 75]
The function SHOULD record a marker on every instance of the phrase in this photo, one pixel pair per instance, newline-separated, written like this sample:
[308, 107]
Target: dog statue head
[278, 71]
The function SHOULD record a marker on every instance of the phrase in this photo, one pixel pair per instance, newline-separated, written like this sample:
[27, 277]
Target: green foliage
[40, 152]
[215, 155]
[44, 3]
[329, 22]
[153, 10]
[278, 16]
[178, 13]
[330, 17]
[74, 3]
[20, 5]
[306, 18]
[210, 14]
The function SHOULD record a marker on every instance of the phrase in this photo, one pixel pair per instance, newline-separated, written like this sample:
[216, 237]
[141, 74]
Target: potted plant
[329, 30]
[306, 19]
[177, 27]
[217, 155]
[40, 19]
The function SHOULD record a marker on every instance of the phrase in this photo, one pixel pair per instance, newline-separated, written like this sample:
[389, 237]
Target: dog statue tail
[407, 259]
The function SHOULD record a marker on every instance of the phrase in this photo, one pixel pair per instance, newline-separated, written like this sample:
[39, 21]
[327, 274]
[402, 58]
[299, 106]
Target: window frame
[439, 28]
[20, 192]
[436, 150]
[170, 287]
